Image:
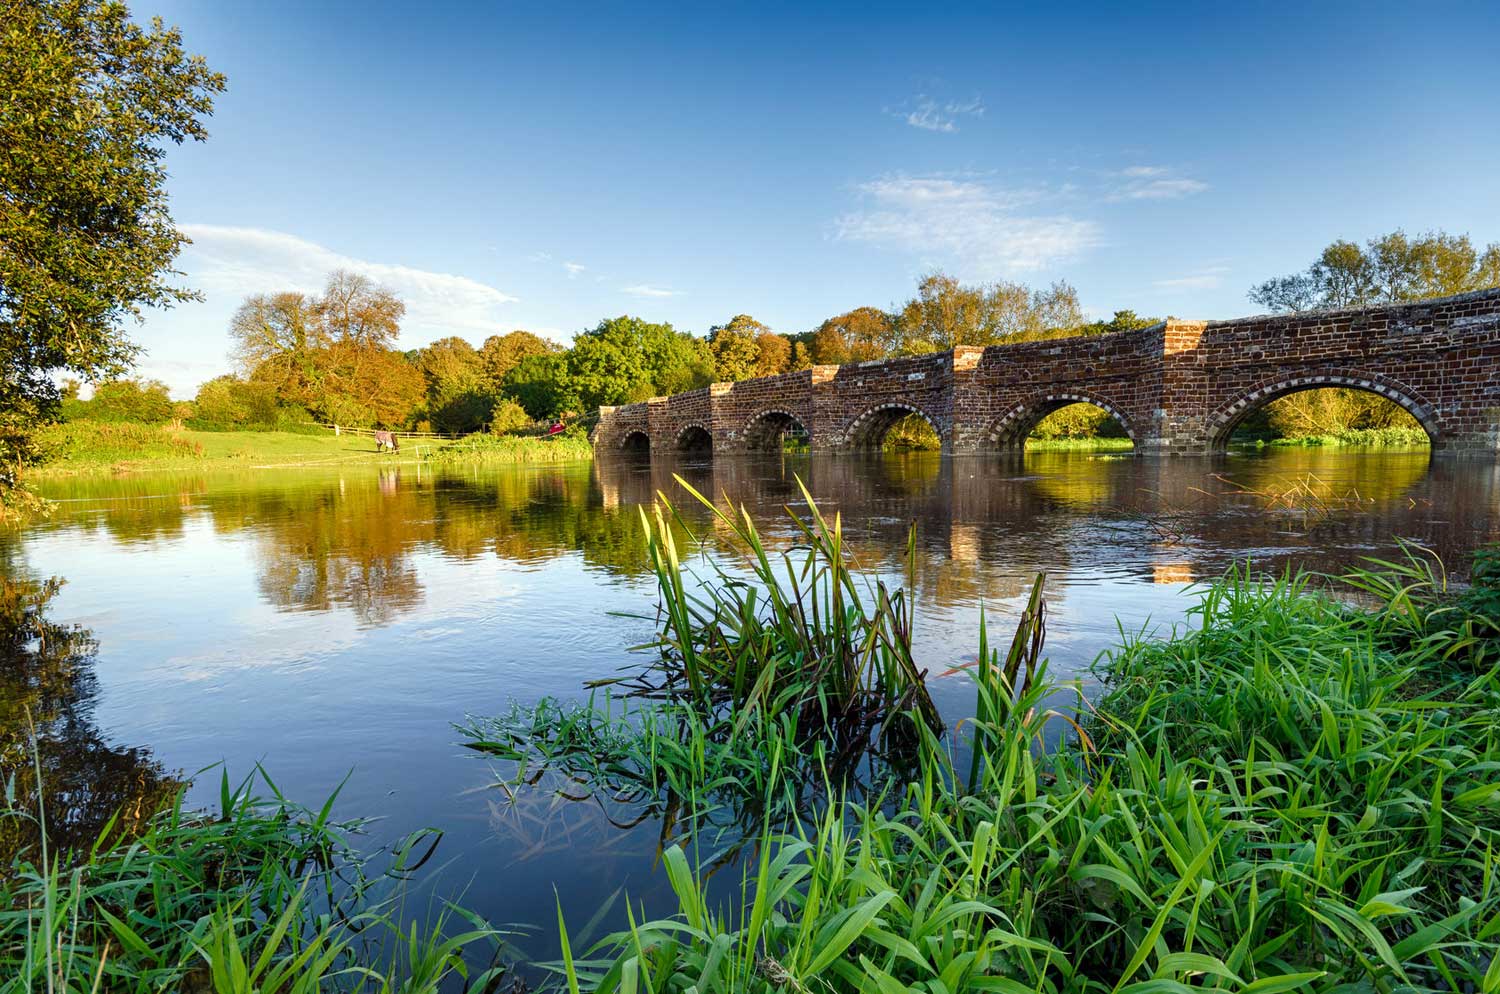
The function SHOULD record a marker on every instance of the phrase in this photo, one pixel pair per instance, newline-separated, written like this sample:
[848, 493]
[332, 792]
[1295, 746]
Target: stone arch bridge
[1175, 387]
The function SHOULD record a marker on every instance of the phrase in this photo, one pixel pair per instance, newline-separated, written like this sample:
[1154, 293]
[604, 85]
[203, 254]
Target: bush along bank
[1287, 793]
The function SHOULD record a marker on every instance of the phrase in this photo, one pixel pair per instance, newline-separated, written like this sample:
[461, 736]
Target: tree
[142, 401]
[357, 311]
[279, 339]
[854, 336]
[539, 384]
[735, 349]
[90, 103]
[945, 313]
[1389, 269]
[502, 353]
[773, 353]
[1126, 320]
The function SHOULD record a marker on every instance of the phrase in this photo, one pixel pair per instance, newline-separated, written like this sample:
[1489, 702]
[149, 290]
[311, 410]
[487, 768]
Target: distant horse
[386, 440]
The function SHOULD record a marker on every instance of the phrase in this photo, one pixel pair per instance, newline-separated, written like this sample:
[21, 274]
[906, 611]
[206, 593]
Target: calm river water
[336, 624]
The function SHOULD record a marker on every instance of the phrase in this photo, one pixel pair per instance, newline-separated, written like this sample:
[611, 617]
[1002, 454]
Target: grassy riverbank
[1095, 444]
[103, 448]
[1286, 794]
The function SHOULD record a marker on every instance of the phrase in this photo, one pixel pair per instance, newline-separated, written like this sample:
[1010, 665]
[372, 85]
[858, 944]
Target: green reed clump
[1279, 796]
[806, 636]
[263, 896]
[759, 695]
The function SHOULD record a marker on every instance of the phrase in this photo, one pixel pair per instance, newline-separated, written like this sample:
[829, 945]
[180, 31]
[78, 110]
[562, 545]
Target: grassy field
[98, 448]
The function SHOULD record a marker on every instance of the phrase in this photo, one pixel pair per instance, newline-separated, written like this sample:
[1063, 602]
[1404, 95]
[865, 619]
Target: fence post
[335, 431]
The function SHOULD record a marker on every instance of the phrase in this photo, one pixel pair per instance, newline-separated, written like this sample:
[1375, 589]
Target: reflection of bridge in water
[985, 524]
[1178, 386]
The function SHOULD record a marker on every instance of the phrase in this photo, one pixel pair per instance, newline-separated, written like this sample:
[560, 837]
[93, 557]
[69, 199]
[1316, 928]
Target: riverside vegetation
[1289, 793]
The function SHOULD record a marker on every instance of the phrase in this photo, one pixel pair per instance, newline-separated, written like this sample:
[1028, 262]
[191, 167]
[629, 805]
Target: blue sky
[542, 166]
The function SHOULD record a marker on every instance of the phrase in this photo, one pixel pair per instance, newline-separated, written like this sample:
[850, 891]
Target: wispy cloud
[227, 263]
[979, 226]
[574, 269]
[931, 114]
[1153, 183]
[646, 290]
[1203, 279]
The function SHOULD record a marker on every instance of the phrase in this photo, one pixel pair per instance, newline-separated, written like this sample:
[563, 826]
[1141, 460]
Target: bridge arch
[1011, 429]
[868, 430]
[694, 438]
[765, 430]
[635, 443]
[1224, 419]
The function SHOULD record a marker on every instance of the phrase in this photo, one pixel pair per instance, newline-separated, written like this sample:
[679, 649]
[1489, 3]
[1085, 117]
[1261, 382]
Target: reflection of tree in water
[341, 546]
[47, 682]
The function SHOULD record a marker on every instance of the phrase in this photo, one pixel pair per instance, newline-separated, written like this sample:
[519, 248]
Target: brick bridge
[1175, 387]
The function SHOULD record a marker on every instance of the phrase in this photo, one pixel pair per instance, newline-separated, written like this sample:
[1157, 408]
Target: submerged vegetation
[1287, 793]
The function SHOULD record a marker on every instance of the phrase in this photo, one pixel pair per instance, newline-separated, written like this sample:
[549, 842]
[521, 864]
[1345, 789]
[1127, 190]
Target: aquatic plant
[1278, 796]
[761, 695]
[263, 896]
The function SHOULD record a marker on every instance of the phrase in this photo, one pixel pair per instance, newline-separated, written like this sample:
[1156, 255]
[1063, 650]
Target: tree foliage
[89, 103]
[1390, 269]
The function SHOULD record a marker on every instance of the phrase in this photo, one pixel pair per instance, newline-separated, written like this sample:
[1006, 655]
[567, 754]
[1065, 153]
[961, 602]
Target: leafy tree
[945, 313]
[90, 103]
[539, 384]
[773, 353]
[1389, 269]
[735, 348]
[855, 336]
[459, 396]
[228, 402]
[142, 401]
[509, 417]
[1126, 320]
[502, 353]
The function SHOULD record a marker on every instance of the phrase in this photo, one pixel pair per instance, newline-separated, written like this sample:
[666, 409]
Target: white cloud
[1204, 279]
[1154, 183]
[931, 114]
[972, 223]
[646, 290]
[228, 263]
[574, 269]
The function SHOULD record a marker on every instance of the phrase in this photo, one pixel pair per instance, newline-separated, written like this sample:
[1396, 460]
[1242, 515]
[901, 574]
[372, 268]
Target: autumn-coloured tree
[854, 336]
[773, 353]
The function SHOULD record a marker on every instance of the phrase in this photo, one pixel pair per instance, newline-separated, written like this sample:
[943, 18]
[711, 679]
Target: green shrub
[138, 401]
[508, 417]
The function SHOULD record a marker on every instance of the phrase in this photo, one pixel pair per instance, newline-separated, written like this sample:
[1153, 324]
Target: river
[336, 624]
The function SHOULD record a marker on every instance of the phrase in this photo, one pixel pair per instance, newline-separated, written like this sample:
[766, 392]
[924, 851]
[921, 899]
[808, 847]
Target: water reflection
[47, 688]
[350, 543]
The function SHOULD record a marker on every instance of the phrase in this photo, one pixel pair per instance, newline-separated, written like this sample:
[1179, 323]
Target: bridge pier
[1178, 387]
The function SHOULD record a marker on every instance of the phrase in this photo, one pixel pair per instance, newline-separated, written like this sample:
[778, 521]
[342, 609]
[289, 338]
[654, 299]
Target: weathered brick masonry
[1178, 386]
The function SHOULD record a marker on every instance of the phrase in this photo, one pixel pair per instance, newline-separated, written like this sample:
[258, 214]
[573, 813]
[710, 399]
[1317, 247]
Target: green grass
[1287, 793]
[101, 448]
[483, 449]
[1094, 444]
[262, 896]
[1398, 437]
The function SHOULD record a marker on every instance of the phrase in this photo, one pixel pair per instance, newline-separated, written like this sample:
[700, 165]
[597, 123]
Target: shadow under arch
[695, 439]
[1010, 430]
[1227, 417]
[766, 431]
[636, 444]
[867, 431]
